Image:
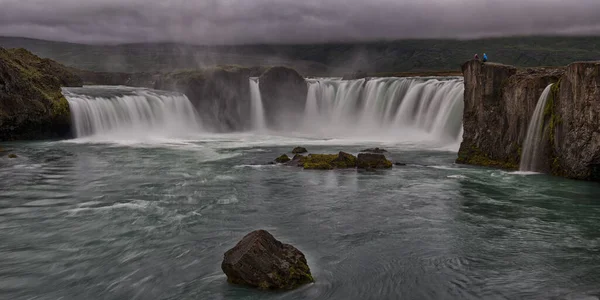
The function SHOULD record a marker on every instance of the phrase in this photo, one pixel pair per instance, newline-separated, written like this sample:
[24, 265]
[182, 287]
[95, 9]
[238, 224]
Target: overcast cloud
[291, 21]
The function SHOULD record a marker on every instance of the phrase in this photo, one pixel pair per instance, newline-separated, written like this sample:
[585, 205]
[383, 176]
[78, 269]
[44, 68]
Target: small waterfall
[388, 106]
[535, 133]
[258, 113]
[127, 112]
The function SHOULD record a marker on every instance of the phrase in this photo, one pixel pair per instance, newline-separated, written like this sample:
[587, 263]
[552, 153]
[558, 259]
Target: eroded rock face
[259, 260]
[574, 120]
[499, 103]
[32, 105]
[373, 161]
[283, 92]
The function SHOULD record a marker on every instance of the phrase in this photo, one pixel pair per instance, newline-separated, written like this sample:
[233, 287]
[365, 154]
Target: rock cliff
[574, 122]
[32, 105]
[499, 103]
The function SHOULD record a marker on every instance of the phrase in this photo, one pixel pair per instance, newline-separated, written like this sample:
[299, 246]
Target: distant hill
[319, 60]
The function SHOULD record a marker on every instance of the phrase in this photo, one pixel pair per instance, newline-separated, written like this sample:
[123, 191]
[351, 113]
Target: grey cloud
[291, 21]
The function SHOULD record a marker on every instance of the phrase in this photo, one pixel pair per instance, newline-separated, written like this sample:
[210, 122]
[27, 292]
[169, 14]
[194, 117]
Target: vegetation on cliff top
[333, 59]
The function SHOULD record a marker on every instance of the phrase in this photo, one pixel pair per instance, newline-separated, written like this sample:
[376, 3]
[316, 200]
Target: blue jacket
[484, 57]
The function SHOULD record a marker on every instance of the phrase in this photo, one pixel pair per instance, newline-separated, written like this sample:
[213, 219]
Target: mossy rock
[12, 155]
[374, 150]
[32, 105]
[282, 159]
[259, 260]
[319, 161]
[299, 150]
[344, 160]
[373, 161]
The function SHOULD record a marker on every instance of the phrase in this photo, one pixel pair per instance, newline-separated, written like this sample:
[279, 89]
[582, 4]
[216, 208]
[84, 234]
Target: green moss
[318, 166]
[282, 159]
[474, 156]
[344, 160]
[319, 161]
[263, 285]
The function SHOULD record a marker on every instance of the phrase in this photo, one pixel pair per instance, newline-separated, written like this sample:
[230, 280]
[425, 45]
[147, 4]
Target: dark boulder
[259, 260]
[341, 160]
[374, 150]
[282, 159]
[299, 150]
[373, 161]
[12, 155]
[399, 164]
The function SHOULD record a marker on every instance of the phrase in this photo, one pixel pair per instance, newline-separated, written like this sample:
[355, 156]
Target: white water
[258, 115]
[535, 132]
[119, 112]
[397, 108]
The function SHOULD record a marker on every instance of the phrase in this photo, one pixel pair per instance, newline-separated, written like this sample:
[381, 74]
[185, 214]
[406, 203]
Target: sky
[291, 21]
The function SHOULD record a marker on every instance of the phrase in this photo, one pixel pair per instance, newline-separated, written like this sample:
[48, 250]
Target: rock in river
[373, 161]
[282, 159]
[374, 150]
[259, 260]
[299, 150]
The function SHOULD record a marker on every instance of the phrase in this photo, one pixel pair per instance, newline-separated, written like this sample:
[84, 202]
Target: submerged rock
[373, 161]
[282, 159]
[299, 150]
[374, 150]
[259, 260]
[399, 164]
[12, 155]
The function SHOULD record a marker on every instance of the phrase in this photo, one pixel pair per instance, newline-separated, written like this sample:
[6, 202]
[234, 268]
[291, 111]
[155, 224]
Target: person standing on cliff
[476, 57]
[485, 57]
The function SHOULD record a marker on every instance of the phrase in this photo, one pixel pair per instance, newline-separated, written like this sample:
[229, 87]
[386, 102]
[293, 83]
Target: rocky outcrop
[355, 75]
[374, 150]
[259, 260]
[32, 105]
[299, 150]
[499, 102]
[283, 92]
[283, 158]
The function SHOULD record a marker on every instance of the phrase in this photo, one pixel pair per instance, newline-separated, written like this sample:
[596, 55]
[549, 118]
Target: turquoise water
[151, 220]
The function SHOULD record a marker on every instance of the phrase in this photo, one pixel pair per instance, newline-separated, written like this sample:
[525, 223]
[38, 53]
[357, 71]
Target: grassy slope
[324, 59]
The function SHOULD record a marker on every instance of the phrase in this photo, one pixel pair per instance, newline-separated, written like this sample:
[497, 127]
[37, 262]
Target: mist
[288, 21]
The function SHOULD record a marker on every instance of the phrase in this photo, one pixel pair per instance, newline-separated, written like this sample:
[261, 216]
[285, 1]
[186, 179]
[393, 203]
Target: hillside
[324, 59]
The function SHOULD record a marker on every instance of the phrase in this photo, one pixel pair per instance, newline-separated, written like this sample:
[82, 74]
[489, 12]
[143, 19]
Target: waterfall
[535, 132]
[386, 106]
[258, 114]
[120, 111]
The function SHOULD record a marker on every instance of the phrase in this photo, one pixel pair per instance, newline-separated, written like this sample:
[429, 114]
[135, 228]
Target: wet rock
[319, 161]
[297, 161]
[12, 155]
[399, 164]
[374, 150]
[282, 159]
[299, 150]
[344, 160]
[259, 260]
[373, 161]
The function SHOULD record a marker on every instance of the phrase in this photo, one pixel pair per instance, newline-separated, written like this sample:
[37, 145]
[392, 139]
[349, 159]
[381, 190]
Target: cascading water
[258, 114]
[535, 132]
[400, 107]
[132, 113]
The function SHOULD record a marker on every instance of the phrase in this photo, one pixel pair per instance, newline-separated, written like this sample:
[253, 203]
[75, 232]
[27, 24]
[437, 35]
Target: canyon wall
[499, 103]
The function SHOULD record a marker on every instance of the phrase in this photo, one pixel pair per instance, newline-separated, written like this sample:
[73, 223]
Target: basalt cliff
[499, 103]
